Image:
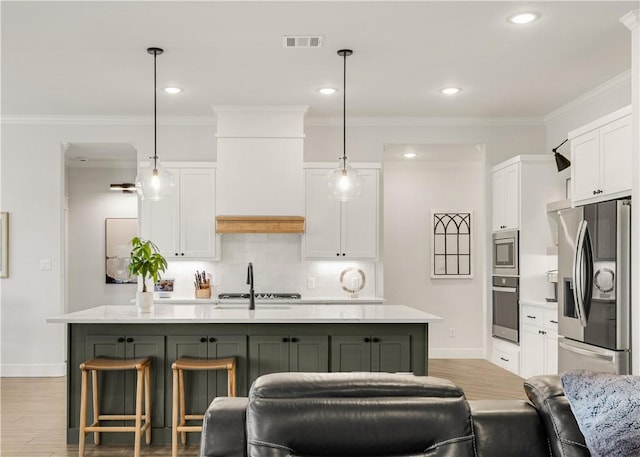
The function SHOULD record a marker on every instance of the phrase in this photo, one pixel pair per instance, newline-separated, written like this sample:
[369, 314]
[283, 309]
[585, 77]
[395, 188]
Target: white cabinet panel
[183, 226]
[600, 158]
[341, 229]
[539, 343]
[533, 351]
[506, 197]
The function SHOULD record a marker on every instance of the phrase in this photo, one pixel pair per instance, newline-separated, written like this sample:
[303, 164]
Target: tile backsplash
[277, 266]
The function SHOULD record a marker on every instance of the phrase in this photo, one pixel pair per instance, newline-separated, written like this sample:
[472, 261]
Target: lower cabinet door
[267, 354]
[350, 353]
[309, 353]
[220, 347]
[533, 351]
[391, 353]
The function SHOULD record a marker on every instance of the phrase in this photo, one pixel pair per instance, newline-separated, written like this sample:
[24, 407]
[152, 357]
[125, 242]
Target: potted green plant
[147, 263]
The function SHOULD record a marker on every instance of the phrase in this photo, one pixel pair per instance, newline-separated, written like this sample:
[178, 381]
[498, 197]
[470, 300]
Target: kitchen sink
[259, 306]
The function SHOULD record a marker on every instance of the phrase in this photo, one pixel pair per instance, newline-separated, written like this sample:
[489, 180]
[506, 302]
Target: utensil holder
[203, 293]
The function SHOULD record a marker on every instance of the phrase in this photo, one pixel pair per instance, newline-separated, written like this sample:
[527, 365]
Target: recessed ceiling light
[409, 155]
[523, 18]
[327, 90]
[450, 90]
[172, 90]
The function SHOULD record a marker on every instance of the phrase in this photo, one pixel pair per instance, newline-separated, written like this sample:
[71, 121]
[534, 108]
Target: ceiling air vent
[302, 41]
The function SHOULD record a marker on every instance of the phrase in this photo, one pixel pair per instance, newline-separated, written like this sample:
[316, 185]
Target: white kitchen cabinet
[184, 225]
[600, 159]
[506, 195]
[539, 342]
[341, 230]
[506, 355]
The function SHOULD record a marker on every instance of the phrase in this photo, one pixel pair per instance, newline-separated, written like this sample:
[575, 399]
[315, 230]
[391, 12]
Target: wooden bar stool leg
[96, 403]
[83, 413]
[174, 415]
[138, 426]
[147, 402]
[183, 409]
[231, 380]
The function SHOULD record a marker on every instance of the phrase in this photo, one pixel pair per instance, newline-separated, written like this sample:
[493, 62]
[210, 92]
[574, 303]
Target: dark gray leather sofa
[382, 415]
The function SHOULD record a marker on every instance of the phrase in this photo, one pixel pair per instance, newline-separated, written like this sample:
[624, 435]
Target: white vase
[144, 300]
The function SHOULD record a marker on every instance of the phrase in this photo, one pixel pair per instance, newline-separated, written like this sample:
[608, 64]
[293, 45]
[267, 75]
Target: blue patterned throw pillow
[607, 409]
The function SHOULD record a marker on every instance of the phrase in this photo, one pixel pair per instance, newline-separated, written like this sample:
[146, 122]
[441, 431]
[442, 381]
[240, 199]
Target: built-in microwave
[505, 253]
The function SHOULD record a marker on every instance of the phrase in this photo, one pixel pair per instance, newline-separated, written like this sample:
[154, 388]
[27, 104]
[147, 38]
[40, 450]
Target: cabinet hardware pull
[544, 333]
[294, 340]
[120, 340]
[367, 340]
[376, 340]
[203, 340]
[212, 340]
[129, 340]
[344, 254]
[285, 340]
[553, 322]
[503, 359]
[176, 254]
[594, 192]
[337, 253]
[530, 316]
[182, 253]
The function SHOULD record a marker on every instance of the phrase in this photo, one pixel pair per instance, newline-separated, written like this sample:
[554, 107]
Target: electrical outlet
[311, 282]
[452, 332]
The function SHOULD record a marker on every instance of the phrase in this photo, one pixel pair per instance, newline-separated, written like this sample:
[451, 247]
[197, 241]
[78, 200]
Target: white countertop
[265, 313]
[303, 301]
[540, 303]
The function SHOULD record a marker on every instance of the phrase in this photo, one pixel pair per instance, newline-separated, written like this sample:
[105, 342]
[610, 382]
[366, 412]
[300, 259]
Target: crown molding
[35, 119]
[425, 121]
[631, 19]
[622, 78]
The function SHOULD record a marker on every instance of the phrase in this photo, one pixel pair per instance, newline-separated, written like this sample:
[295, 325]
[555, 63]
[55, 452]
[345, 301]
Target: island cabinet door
[228, 346]
[267, 354]
[350, 353]
[309, 353]
[391, 353]
[118, 388]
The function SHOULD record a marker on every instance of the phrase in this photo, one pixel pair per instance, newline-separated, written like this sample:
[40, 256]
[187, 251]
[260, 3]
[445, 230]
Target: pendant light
[154, 183]
[344, 182]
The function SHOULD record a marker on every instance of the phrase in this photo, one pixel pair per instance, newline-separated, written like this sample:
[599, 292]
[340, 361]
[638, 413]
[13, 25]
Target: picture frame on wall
[451, 247]
[118, 235]
[4, 245]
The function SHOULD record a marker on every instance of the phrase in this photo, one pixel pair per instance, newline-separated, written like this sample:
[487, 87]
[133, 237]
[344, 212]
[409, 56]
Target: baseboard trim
[456, 353]
[50, 370]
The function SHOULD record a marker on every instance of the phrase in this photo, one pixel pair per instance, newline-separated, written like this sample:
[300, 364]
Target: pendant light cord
[344, 114]
[155, 111]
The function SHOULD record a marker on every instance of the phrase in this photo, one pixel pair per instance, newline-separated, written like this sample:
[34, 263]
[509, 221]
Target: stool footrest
[119, 417]
[102, 429]
[189, 428]
[193, 417]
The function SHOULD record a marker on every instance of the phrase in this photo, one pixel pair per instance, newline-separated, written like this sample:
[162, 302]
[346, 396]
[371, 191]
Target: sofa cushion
[357, 414]
[565, 438]
[607, 408]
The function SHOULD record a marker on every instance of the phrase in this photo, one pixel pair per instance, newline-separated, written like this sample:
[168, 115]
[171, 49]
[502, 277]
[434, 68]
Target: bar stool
[142, 367]
[181, 365]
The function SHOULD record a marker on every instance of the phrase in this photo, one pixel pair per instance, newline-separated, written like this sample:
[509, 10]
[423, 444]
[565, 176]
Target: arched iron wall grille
[451, 250]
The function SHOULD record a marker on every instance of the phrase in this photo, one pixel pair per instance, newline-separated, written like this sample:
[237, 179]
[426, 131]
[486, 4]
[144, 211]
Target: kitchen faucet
[252, 299]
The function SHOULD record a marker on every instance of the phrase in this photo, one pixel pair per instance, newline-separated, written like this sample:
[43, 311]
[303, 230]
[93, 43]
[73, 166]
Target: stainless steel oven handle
[504, 289]
[593, 355]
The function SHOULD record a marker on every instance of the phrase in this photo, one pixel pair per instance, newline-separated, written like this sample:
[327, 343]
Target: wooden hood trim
[259, 224]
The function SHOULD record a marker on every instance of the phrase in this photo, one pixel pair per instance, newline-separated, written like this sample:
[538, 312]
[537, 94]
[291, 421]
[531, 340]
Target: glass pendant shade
[344, 182]
[154, 183]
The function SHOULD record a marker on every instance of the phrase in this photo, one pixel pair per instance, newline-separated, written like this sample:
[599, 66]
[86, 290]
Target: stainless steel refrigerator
[594, 260]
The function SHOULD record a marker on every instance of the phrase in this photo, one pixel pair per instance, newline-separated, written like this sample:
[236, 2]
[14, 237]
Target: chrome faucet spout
[252, 298]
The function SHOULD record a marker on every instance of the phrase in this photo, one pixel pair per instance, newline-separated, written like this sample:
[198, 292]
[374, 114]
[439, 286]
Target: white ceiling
[89, 58]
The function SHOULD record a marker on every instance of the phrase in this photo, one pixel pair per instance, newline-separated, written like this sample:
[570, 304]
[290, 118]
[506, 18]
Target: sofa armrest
[565, 437]
[508, 428]
[223, 428]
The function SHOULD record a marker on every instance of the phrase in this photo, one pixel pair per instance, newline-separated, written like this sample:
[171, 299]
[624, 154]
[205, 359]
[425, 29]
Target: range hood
[260, 176]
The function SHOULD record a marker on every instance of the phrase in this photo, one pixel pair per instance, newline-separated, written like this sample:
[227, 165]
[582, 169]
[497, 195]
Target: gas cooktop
[262, 296]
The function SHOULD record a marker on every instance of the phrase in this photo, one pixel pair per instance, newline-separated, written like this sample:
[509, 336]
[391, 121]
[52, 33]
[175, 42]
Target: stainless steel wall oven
[506, 310]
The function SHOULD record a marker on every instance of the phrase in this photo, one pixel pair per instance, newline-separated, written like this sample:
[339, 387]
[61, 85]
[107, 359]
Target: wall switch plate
[45, 264]
[311, 282]
[452, 332]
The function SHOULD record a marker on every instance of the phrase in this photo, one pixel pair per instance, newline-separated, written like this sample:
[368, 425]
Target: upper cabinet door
[585, 165]
[506, 198]
[359, 235]
[160, 221]
[615, 158]
[197, 212]
[322, 220]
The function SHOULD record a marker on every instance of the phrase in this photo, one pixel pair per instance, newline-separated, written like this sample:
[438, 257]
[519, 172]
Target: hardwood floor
[33, 410]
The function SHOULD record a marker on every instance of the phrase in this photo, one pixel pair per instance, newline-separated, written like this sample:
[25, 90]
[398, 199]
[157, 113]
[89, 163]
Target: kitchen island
[275, 337]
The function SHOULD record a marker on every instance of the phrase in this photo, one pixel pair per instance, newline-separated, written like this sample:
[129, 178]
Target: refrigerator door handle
[584, 352]
[577, 273]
